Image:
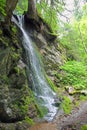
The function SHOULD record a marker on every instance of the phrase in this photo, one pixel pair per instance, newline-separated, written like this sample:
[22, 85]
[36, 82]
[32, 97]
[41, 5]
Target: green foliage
[21, 7]
[29, 120]
[2, 9]
[14, 29]
[74, 39]
[49, 14]
[17, 69]
[24, 108]
[77, 10]
[75, 74]
[53, 87]
[15, 55]
[0, 32]
[23, 104]
[5, 79]
[41, 110]
[83, 97]
[84, 127]
[66, 105]
[84, 11]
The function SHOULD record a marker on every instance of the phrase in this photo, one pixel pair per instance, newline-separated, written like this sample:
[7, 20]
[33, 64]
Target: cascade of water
[39, 84]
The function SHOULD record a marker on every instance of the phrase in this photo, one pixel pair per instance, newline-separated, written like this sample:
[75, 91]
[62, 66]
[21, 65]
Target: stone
[70, 89]
[21, 64]
[15, 95]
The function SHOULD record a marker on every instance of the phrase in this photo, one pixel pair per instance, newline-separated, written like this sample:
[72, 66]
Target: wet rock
[21, 64]
[70, 89]
[84, 92]
[14, 126]
[15, 95]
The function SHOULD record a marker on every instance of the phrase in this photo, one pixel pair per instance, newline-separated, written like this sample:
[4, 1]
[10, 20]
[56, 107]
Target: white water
[40, 86]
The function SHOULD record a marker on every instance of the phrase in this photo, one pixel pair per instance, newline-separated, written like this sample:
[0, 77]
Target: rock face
[15, 95]
[16, 98]
[53, 54]
[52, 51]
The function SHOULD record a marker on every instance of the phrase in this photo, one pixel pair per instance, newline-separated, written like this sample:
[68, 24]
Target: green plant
[66, 105]
[49, 15]
[17, 69]
[2, 5]
[75, 74]
[41, 110]
[2, 9]
[14, 29]
[29, 120]
[83, 97]
[5, 79]
[52, 85]
[21, 7]
[84, 127]
[0, 32]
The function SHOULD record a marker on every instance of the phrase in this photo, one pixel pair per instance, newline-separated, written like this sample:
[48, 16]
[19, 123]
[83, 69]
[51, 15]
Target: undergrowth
[74, 74]
[66, 105]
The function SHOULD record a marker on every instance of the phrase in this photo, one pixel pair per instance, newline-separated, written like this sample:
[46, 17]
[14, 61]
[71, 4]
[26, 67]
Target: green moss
[29, 120]
[84, 127]
[5, 79]
[83, 97]
[22, 104]
[67, 105]
[5, 41]
[41, 110]
[14, 29]
[53, 87]
[17, 69]
[15, 55]
[29, 99]
[0, 32]
[74, 74]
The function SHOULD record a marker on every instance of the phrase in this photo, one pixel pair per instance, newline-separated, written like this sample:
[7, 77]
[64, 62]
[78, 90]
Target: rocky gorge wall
[17, 102]
[16, 98]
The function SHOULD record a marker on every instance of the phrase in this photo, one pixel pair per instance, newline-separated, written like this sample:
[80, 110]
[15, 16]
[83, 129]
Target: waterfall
[41, 88]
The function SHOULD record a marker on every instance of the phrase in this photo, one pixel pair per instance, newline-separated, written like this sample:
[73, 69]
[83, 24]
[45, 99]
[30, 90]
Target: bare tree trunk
[10, 6]
[32, 11]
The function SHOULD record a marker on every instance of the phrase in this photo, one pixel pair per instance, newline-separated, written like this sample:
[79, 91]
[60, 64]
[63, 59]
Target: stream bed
[72, 121]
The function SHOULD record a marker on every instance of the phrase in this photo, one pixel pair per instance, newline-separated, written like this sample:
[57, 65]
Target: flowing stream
[43, 92]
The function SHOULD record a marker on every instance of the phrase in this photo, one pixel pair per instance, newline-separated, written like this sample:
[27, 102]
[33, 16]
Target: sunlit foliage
[49, 10]
[21, 7]
[2, 9]
[74, 39]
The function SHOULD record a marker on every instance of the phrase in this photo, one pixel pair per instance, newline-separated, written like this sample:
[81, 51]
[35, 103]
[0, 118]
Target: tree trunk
[32, 11]
[10, 6]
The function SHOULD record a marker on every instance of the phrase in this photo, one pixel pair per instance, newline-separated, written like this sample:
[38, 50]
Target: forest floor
[72, 121]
